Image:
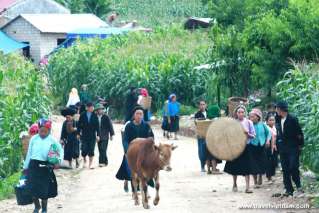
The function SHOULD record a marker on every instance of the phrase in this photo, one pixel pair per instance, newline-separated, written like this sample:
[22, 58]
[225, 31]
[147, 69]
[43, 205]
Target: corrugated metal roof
[62, 23]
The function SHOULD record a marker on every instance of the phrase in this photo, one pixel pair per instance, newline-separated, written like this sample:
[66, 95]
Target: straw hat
[226, 139]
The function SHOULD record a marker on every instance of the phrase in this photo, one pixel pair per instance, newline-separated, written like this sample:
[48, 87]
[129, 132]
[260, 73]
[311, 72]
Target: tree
[256, 39]
[98, 7]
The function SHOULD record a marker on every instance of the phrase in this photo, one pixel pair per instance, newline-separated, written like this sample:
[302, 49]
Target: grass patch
[7, 186]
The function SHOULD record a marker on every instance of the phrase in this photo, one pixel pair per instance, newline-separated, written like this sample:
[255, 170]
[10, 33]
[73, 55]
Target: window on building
[60, 41]
[26, 50]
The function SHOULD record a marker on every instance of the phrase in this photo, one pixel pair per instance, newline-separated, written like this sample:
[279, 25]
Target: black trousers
[272, 162]
[102, 145]
[88, 147]
[289, 158]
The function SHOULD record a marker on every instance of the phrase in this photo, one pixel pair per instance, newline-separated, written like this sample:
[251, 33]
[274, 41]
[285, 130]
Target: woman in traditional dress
[137, 128]
[271, 151]
[40, 176]
[165, 124]
[130, 103]
[143, 94]
[69, 137]
[173, 114]
[258, 144]
[243, 165]
[74, 98]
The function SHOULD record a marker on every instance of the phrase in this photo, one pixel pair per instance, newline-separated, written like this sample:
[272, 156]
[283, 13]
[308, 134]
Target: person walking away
[165, 124]
[70, 137]
[41, 180]
[143, 94]
[105, 132]
[85, 97]
[258, 145]
[173, 112]
[290, 140]
[73, 98]
[131, 102]
[137, 128]
[271, 151]
[243, 165]
[88, 129]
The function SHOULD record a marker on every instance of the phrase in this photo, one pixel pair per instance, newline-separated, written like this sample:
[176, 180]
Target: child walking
[271, 151]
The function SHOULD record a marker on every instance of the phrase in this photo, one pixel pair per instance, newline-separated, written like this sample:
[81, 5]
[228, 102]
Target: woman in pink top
[243, 165]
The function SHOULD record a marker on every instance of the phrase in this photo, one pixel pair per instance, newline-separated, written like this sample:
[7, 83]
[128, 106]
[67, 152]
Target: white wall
[49, 42]
[22, 31]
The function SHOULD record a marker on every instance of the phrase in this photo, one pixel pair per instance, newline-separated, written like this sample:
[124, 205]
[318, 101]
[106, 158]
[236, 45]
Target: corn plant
[163, 62]
[153, 12]
[23, 99]
[300, 87]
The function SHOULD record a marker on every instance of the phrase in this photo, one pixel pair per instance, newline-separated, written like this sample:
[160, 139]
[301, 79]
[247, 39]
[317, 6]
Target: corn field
[163, 62]
[300, 87]
[23, 99]
[153, 12]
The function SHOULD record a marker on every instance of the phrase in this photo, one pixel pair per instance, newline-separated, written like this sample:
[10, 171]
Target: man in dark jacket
[289, 142]
[105, 132]
[88, 129]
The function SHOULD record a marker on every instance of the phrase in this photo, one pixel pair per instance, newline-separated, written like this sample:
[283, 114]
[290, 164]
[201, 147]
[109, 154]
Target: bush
[163, 62]
[300, 88]
[22, 101]
[187, 110]
[7, 185]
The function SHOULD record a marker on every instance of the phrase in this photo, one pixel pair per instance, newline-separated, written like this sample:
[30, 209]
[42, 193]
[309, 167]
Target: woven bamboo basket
[233, 102]
[146, 102]
[226, 139]
[202, 127]
[25, 144]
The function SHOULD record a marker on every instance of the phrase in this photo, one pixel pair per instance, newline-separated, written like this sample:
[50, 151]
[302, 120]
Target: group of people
[279, 134]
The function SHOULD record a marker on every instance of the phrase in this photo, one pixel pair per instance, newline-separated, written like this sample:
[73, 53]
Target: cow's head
[165, 153]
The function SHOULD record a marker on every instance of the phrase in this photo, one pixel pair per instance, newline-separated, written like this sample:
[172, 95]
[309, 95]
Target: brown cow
[145, 160]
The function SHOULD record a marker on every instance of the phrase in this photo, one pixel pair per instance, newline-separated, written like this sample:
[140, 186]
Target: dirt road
[184, 189]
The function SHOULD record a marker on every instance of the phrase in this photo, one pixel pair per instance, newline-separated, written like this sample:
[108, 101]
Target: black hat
[89, 104]
[283, 105]
[68, 111]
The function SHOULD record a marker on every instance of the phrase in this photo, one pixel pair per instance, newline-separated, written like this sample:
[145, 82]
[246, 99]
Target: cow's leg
[134, 189]
[144, 193]
[157, 186]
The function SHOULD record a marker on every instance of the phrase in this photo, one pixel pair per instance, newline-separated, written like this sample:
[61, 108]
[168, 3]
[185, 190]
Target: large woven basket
[25, 144]
[226, 139]
[146, 102]
[202, 127]
[233, 102]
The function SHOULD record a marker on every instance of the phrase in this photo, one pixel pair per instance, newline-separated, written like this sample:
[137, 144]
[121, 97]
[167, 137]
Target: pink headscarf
[257, 112]
[34, 129]
[144, 92]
